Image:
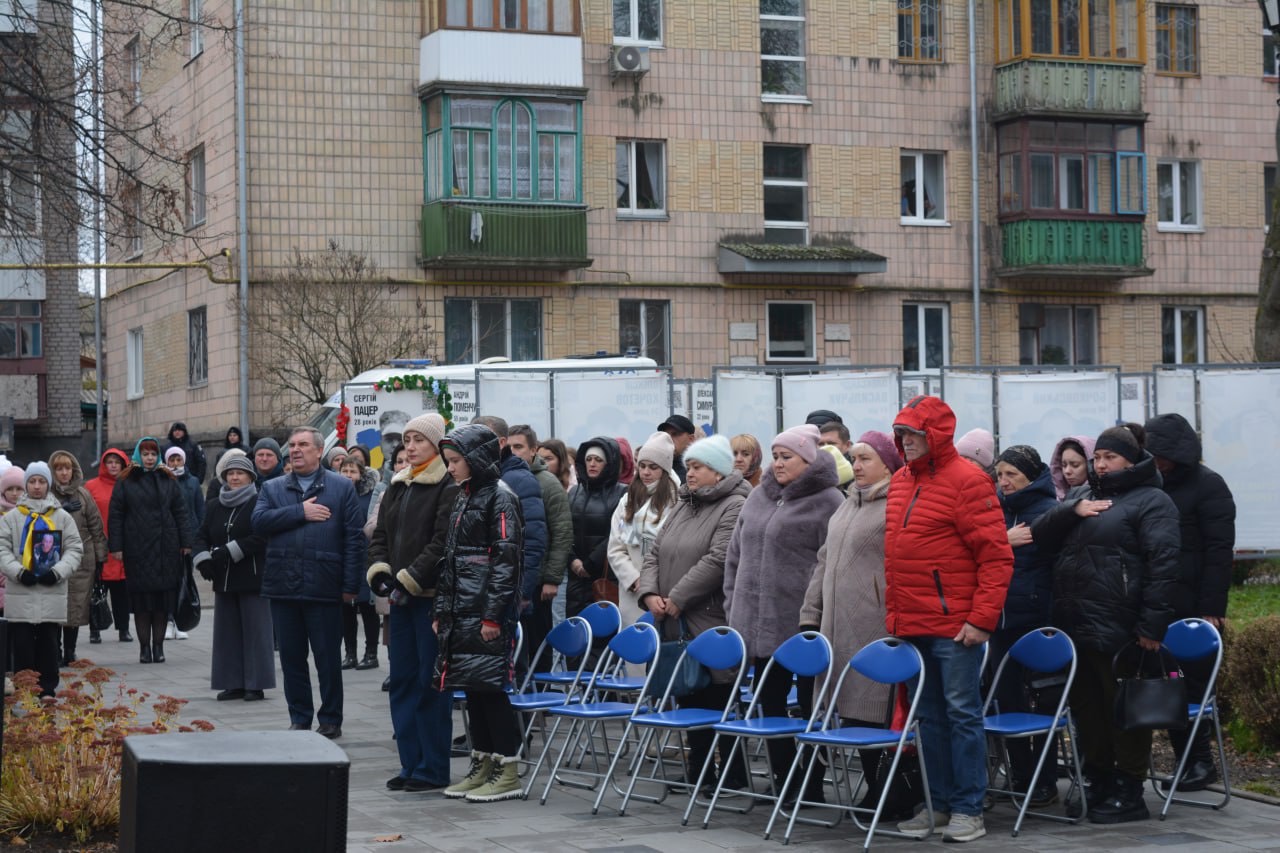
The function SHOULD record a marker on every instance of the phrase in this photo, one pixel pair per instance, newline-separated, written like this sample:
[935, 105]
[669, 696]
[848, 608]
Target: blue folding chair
[806, 654]
[605, 619]
[570, 639]
[889, 660]
[1041, 650]
[1192, 640]
[718, 648]
[636, 644]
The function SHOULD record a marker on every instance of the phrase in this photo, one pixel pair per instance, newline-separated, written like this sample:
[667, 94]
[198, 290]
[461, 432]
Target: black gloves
[383, 584]
[97, 572]
[47, 579]
[27, 578]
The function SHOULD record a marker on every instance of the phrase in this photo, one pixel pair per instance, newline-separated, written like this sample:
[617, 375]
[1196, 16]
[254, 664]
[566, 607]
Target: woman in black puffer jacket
[591, 503]
[477, 608]
[1116, 540]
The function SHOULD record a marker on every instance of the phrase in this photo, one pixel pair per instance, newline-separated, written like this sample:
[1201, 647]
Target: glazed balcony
[1081, 248]
[473, 235]
[1033, 87]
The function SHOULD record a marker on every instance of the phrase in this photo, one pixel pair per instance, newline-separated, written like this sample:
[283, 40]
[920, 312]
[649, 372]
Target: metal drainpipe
[99, 406]
[973, 188]
[242, 215]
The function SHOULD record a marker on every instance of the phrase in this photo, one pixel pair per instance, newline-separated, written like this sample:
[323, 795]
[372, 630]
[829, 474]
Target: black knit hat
[1121, 440]
[1025, 458]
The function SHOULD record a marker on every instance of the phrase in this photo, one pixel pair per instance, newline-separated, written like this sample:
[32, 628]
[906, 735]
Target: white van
[461, 379]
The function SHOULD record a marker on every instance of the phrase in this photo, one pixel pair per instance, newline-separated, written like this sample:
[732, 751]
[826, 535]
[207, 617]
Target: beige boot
[480, 771]
[503, 782]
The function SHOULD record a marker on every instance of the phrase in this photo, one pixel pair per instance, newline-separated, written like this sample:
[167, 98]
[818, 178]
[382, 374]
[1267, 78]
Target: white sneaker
[170, 632]
[918, 826]
[179, 635]
[964, 827]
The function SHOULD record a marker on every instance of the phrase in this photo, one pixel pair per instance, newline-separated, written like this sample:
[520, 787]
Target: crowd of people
[469, 533]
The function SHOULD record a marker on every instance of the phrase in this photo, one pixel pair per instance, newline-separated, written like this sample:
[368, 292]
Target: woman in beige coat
[68, 490]
[683, 575]
[845, 599]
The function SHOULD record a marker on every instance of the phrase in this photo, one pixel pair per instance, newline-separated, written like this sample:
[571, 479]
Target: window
[1270, 55]
[924, 187]
[786, 205]
[19, 197]
[1178, 191]
[195, 187]
[641, 177]
[1057, 334]
[21, 330]
[919, 30]
[644, 326]
[789, 331]
[197, 29]
[558, 17]
[1076, 29]
[1177, 43]
[198, 346]
[1182, 335]
[131, 201]
[782, 56]
[637, 21]
[133, 363]
[502, 149]
[1085, 168]
[476, 329]
[1268, 192]
[133, 68]
[926, 337]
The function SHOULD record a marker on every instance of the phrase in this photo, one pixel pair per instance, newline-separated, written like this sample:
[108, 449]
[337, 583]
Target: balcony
[1079, 248]
[1054, 87]
[500, 59]
[474, 235]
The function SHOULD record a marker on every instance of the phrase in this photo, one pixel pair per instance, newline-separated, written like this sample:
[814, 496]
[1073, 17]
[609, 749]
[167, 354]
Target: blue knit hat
[714, 452]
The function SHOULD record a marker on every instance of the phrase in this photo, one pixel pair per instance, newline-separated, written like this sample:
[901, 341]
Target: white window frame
[1179, 345]
[634, 212]
[663, 357]
[811, 336]
[1177, 166]
[197, 196]
[941, 221]
[134, 364]
[196, 15]
[198, 347]
[634, 37]
[133, 57]
[803, 183]
[921, 309]
[1073, 355]
[803, 59]
[133, 223]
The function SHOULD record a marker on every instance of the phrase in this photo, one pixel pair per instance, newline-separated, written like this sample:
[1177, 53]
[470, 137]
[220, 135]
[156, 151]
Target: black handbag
[187, 615]
[1154, 696]
[99, 608]
[690, 677]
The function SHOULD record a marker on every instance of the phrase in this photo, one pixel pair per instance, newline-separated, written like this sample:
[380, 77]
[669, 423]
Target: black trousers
[352, 614]
[119, 604]
[495, 727]
[772, 693]
[35, 646]
[713, 696]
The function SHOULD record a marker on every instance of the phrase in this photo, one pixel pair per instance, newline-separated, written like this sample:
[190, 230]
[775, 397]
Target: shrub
[1250, 678]
[62, 754]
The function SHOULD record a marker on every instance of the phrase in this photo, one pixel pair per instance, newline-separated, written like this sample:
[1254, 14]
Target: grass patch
[1249, 602]
[1264, 788]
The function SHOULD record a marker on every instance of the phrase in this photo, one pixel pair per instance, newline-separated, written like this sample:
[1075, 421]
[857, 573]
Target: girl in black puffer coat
[477, 607]
[591, 503]
[1116, 540]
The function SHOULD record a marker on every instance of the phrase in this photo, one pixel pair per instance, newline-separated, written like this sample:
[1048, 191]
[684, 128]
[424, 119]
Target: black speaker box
[242, 791]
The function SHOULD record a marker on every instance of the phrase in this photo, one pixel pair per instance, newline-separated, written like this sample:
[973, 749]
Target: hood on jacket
[627, 460]
[77, 473]
[103, 474]
[1172, 437]
[429, 476]
[186, 433]
[1060, 486]
[612, 463]
[936, 420]
[479, 445]
[137, 451]
[39, 506]
[369, 481]
[731, 485]
[1038, 489]
[226, 438]
[817, 475]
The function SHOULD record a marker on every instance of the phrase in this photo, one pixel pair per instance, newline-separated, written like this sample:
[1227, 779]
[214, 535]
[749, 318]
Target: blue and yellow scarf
[36, 523]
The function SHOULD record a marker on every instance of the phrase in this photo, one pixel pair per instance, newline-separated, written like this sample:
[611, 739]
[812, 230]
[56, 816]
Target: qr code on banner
[1128, 390]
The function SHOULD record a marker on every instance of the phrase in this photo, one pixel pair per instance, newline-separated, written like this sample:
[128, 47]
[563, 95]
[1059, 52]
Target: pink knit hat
[801, 440]
[979, 446]
[885, 448]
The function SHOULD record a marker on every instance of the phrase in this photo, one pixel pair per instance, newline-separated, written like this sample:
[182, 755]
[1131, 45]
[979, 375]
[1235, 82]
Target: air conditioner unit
[629, 60]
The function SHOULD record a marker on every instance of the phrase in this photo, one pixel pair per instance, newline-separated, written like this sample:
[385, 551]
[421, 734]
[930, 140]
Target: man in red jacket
[947, 568]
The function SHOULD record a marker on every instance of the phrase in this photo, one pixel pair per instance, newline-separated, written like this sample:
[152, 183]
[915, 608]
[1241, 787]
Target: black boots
[69, 637]
[145, 655]
[157, 651]
[369, 661]
[349, 659]
[1124, 804]
[1098, 786]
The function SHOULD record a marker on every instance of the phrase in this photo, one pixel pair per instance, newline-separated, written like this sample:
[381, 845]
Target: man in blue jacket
[315, 556]
[517, 474]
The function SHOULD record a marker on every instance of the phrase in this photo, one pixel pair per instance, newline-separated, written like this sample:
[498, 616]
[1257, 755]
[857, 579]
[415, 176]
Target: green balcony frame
[1032, 87]
[476, 235]
[1080, 248]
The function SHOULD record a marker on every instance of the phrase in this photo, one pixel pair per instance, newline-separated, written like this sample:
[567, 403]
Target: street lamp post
[1266, 332]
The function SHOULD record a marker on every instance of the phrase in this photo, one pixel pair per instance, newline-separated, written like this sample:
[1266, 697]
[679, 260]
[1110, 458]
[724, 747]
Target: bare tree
[329, 317]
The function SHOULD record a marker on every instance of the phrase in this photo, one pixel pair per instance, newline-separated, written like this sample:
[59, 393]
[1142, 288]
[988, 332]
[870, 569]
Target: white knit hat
[430, 425]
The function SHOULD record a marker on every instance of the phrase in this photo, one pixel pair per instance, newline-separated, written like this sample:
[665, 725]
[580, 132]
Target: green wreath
[439, 388]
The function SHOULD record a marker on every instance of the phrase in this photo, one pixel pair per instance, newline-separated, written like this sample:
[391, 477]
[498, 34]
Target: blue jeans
[421, 716]
[300, 624]
[950, 711]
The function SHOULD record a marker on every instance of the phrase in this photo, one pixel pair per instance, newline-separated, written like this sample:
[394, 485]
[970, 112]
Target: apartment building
[739, 182]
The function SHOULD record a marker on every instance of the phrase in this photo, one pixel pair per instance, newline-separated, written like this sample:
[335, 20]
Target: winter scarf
[36, 524]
